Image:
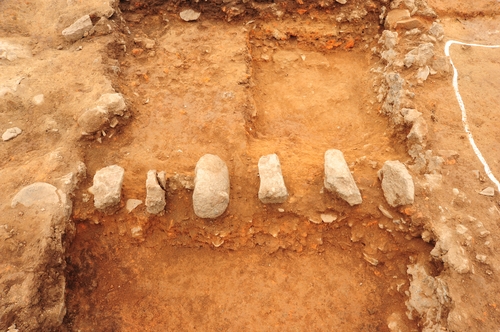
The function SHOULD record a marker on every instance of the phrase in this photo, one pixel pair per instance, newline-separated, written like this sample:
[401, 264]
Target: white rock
[155, 195]
[11, 133]
[189, 15]
[338, 178]
[78, 29]
[107, 187]
[92, 120]
[272, 186]
[397, 184]
[38, 193]
[385, 212]
[488, 191]
[132, 204]
[328, 218]
[137, 232]
[38, 99]
[422, 74]
[211, 187]
[343, 2]
[114, 103]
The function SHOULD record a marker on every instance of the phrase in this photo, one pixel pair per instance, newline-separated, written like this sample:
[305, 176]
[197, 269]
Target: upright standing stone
[272, 186]
[211, 187]
[338, 178]
[107, 188]
[155, 195]
[397, 183]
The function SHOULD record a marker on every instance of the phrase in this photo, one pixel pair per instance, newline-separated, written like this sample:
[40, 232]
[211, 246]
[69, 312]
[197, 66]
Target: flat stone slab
[78, 29]
[107, 188]
[189, 15]
[272, 185]
[211, 187]
[338, 178]
[39, 193]
[11, 133]
[397, 184]
[155, 195]
[93, 119]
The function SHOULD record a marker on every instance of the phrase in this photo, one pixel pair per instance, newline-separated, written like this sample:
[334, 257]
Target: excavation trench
[242, 90]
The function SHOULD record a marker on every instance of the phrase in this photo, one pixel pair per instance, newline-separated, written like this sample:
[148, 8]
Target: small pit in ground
[241, 90]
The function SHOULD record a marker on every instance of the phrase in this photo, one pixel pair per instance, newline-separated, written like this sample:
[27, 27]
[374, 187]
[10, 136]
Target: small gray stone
[189, 15]
[488, 191]
[11, 133]
[418, 131]
[114, 103]
[397, 184]
[78, 29]
[437, 31]
[328, 218]
[410, 115]
[420, 55]
[93, 119]
[155, 195]
[385, 212]
[272, 186]
[107, 188]
[211, 187]
[338, 178]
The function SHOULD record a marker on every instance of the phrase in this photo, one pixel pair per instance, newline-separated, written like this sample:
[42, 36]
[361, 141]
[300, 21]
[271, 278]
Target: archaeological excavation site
[249, 165]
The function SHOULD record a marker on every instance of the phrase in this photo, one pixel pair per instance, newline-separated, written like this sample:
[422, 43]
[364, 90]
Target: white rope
[462, 107]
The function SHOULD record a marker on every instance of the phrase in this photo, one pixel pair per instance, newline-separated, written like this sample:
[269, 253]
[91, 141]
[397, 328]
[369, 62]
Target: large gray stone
[272, 186]
[155, 195]
[397, 184]
[338, 178]
[107, 188]
[93, 119]
[211, 187]
[114, 103]
[78, 29]
[40, 194]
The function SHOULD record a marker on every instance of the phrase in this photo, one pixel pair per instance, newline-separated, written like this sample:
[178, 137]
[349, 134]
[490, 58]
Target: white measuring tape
[462, 108]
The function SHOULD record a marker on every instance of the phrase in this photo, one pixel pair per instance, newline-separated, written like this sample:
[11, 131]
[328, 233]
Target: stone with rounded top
[211, 187]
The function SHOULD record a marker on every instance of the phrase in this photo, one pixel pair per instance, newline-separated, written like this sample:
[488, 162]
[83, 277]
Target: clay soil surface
[296, 85]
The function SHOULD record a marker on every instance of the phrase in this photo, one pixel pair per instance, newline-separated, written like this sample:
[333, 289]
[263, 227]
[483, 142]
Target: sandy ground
[294, 84]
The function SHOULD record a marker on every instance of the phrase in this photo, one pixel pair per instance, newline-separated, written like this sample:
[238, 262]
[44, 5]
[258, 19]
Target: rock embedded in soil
[420, 55]
[132, 204]
[211, 187]
[189, 15]
[155, 195]
[272, 185]
[338, 178]
[395, 16]
[92, 120]
[397, 184]
[489, 191]
[11, 133]
[107, 188]
[114, 103]
[39, 193]
[78, 29]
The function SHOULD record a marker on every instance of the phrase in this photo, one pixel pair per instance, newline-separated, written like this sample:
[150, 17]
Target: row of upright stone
[212, 184]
